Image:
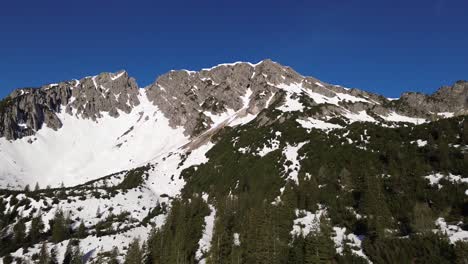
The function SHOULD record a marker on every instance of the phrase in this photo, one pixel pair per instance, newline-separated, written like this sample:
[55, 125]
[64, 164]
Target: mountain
[270, 164]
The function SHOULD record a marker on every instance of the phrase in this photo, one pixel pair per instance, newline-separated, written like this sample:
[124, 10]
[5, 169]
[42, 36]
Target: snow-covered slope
[84, 150]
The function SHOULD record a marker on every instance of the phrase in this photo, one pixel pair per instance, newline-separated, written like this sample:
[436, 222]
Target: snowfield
[83, 150]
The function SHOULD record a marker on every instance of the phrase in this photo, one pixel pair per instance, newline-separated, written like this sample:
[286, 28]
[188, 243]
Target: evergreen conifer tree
[59, 227]
[134, 253]
[44, 257]
[19, 232]
[37, 226]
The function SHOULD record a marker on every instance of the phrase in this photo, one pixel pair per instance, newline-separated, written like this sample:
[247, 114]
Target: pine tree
[134, 253]
[73, 254]
[8, 259]
[77, 255]
[113, 259]
[53, 256]
[461, 252]
[59, 227]
[98, 212]
[68, 253]
[19, 232]
[44, 257]
[37, 225]
[36, 188]
[423, 218]
[27, 188]
[81, 233]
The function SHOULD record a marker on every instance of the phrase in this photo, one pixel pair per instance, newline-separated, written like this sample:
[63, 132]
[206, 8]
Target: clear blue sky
[382, 46]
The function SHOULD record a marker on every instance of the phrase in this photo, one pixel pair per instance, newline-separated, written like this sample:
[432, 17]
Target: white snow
[84, 150]
[292, 103]
[311, 122]
[120, 74]
[291, 154]
[231, 117]
[307, 222]
[92, 244]
[347, 97]
[273, 144]
[421, 143]
[454, 232]
[435, 178]
[204, 244]
[94, 82]
[165, 178]
[394, 117]
[340, 238]
[267, 104]
[232, 64]
[293, 91]
[360, 116]
[319, 84]
[446, 114]
[236, 239]
[23, 125]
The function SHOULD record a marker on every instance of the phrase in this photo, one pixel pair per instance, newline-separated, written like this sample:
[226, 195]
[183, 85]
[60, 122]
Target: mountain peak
[194, 99]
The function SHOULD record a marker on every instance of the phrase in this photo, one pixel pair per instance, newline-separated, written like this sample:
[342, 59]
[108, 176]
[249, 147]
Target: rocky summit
[239, 163]
[188, 98]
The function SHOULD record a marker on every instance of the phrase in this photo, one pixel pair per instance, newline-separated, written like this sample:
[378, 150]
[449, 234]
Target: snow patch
[273, 143]
[310, 123]
[120, 74]
[292, 155]
[307, 222]
[446, 114]
[83, 150]
[454, 232]
[340, 238]
[204, 244]
[394, 117]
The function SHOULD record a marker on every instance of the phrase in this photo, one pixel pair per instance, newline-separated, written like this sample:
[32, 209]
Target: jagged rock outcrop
[25, 111]
[451, 99]
[189, 98]
[194, 100]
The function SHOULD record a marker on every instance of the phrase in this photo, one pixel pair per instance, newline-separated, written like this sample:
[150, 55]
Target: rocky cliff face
[25, 111]
[448, 99]
[194, 99]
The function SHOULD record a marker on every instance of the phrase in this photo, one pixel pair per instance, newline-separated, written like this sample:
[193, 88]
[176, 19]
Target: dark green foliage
[81, 232]
[428, 248]
[370, 181]
[461, 252]
[44, 257]
[383, 180]
[134, 253]
[104, 227]
[177, 240]
[73, 254]
[60, 227]
[133, 178]
[19, 232]
[37, 226]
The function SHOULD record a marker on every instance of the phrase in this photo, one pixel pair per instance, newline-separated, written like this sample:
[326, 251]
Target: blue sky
[382, 46]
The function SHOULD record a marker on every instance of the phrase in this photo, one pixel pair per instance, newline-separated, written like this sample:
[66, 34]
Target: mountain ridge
[114, 92]
[212, 166]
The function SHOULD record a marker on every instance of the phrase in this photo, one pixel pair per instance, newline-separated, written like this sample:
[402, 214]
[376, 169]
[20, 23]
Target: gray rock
[189, 99]
[25, 111]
